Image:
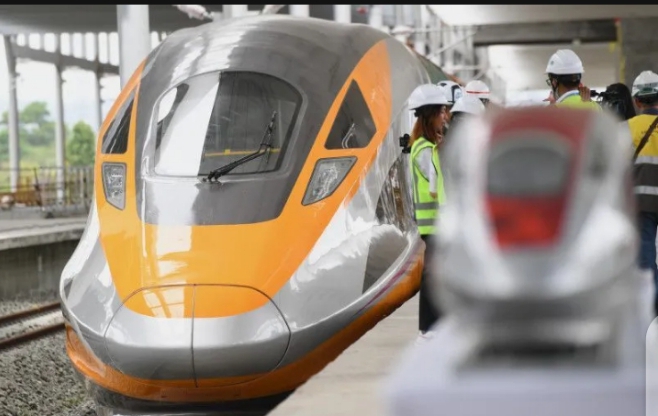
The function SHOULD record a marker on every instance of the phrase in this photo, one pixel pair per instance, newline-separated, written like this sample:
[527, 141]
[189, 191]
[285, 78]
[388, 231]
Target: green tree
[35, 126]
[81, 149]
[35, 122]
[4, 145]
[35, 113]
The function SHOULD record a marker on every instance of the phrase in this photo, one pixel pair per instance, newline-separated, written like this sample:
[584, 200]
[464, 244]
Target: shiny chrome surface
[164, 328]
[582, 279]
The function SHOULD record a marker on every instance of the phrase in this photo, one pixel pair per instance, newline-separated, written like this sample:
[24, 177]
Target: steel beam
[64, 61]
[585, 31]
[12, 115]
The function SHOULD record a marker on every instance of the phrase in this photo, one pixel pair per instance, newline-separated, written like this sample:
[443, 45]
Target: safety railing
[51, 189]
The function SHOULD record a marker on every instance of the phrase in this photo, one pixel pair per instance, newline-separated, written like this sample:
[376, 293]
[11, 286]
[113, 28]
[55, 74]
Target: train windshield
[214, 119]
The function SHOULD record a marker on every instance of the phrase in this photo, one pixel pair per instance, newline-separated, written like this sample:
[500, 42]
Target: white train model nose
[536, 271]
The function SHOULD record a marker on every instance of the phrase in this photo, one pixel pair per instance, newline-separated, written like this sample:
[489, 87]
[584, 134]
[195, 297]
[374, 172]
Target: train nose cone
[251, 339]
[150, 335]
[202, 332]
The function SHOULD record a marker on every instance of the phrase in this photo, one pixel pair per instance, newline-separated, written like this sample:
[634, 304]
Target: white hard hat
[427, 94]
[468, 104]
[645, 84]
[451, 90]
[565, 62]
[477, 88]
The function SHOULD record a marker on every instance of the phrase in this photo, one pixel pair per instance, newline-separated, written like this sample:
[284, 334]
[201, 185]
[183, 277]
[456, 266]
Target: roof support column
[60, 129]
[98, 100]
[343, 13]
[234, 10]
[636, 37]
[14, 147]
[98, 97]
[420, 37]
[376, 16]
[134, 38]
[302, 10]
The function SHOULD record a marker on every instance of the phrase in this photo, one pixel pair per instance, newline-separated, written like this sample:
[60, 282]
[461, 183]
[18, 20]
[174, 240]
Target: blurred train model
[252, 214]
[536, 269]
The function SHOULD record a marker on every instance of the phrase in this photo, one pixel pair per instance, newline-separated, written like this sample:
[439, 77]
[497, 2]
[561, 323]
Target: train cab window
[214, 119]
[354, 125]
[115, 140]
[528, 168]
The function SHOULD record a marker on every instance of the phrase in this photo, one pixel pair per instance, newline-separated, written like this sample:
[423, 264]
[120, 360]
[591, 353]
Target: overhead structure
[85, 18]
[582, 31]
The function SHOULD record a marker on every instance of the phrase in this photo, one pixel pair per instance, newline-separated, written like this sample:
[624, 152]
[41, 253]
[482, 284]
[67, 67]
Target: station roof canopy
[31, 18]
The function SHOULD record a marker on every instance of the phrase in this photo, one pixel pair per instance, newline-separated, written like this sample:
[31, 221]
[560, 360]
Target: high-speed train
[252, 216]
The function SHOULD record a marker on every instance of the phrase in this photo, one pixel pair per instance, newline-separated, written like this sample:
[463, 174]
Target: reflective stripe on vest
[425, 206]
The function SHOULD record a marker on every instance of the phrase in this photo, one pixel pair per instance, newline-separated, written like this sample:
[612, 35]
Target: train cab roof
[307, 53]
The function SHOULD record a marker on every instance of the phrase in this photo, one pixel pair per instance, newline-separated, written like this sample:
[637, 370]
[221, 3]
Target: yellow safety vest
[426, 207]
[575, 101]
[646, 164]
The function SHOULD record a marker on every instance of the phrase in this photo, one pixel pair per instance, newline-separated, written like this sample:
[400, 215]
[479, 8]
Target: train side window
[354, 126]
[115, 140]
[394, 204]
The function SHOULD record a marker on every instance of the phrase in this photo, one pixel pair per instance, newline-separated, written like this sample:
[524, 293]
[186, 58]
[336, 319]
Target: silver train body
[184, 292]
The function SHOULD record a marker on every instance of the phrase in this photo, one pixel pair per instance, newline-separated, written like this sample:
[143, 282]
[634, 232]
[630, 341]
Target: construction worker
[565, 70]
[464, 107]
[618, 99]
[467, 106]
[645, 141]
[480, 90]
[453, 92]
[429, 105]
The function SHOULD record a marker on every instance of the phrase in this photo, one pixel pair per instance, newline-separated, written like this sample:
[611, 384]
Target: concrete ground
[19, 233]
[37, 223]
[351, 385]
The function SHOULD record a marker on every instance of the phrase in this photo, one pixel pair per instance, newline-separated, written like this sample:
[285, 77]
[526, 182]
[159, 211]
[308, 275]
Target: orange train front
[252, 213]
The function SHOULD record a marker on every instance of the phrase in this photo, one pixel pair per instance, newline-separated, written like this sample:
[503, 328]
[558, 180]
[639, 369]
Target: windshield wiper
[265, 146]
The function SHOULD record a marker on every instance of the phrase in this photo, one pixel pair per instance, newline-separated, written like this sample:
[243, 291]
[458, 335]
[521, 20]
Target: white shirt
[424, 160]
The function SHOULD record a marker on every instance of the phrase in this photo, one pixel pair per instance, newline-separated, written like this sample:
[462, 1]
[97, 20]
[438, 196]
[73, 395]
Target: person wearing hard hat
[480, 90]
[466, 106]
[645, 141]
[453, 92]
[565, 70]
[429, 105]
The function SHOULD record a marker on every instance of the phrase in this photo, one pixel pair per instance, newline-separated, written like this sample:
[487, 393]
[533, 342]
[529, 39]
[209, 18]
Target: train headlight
[327, 175]
[114, 184]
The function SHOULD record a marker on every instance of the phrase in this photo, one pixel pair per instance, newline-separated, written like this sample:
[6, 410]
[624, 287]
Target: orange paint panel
[118, 102]
[164, 302]
[264, 255]
[232, 299]
[238, 388]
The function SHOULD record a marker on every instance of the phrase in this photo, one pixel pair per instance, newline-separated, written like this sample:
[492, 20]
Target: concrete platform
[351, 385]
[19, 233]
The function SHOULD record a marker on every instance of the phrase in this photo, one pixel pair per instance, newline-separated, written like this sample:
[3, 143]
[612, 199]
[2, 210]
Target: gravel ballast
[36, 378]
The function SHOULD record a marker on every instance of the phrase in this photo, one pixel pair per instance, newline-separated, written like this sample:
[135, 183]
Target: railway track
[26, 325]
